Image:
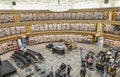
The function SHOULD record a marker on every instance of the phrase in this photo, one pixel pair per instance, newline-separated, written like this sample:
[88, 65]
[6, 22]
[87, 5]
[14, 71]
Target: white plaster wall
[43, 4]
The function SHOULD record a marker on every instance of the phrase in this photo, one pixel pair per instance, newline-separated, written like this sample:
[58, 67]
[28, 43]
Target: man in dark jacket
[62, 66]
[68, 70]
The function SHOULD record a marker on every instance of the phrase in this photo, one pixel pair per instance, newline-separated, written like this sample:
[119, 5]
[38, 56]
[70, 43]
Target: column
[113, 14]
[99, 28]
[28, 29]
[16, 15]
[93, 39]
[110, 15]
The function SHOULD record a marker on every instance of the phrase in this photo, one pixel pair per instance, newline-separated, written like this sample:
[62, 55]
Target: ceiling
[43, 4]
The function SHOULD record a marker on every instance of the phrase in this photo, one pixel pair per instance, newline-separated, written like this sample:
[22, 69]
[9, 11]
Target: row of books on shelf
[6, 18]
[14, 30]
[48, 38]
[86, 15]
[63, 26]
[8, 46]
[112, 44]
[117, 15]
[83, 15]
[112, 29]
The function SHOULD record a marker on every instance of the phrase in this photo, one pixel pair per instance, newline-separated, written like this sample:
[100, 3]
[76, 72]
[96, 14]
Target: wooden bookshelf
[112, 43]
[111, 36]
[112, 29]
[9, 46]
[57, 37]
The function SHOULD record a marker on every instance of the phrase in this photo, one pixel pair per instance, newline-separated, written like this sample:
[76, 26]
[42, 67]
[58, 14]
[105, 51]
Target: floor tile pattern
[54, 60]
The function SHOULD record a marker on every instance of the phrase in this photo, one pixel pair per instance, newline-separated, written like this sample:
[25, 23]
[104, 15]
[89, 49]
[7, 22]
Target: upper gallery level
[45, 4]
[13, 16]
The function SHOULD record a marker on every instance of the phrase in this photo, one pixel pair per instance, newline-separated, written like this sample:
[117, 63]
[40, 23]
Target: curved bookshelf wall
[63, 27]
[7, 18]
[58, 37]
[12, 30]
[80, 15]
[74, 23]
[108, 43]
[8, 46]
[112, 29]
[45, 15]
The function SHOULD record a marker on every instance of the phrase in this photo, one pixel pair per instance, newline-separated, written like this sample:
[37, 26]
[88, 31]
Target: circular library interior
[59, 38]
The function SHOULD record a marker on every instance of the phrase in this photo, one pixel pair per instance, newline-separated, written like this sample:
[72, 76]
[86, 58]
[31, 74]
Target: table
[7, 69]
[59, 49]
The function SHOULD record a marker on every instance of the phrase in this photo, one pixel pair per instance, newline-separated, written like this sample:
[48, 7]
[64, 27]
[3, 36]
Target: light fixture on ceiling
[106, 1]
[59, 7]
